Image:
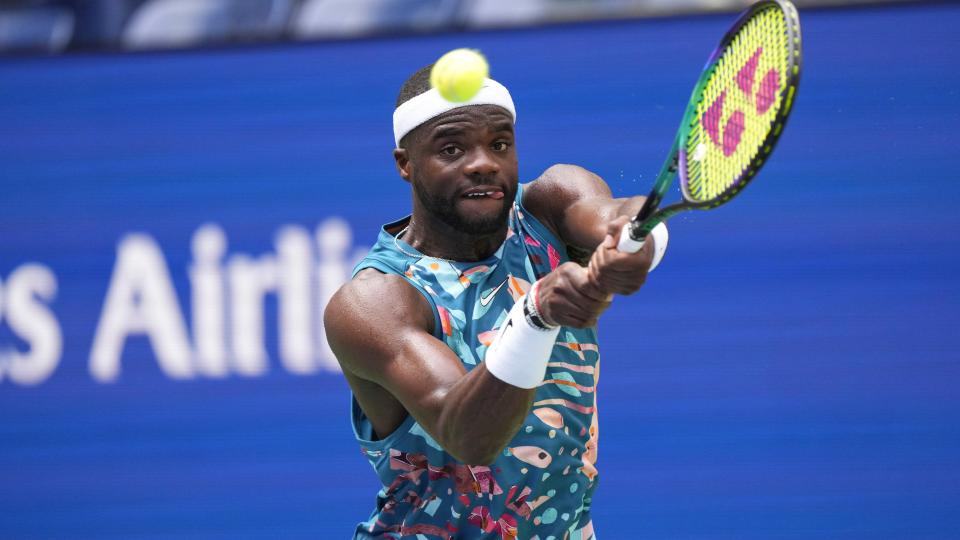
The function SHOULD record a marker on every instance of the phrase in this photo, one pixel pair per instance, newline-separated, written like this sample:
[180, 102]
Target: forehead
[467, 119]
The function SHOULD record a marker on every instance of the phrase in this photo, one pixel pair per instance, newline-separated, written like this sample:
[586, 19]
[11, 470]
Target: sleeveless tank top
[541, 486]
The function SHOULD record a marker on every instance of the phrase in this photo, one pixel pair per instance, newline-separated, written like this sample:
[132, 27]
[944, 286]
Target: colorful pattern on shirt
[541, 486]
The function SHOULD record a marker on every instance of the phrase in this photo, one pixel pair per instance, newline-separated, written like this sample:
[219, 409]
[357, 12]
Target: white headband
[431, 104]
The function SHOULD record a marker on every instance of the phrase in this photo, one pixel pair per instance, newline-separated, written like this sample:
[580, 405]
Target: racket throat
[664, 180]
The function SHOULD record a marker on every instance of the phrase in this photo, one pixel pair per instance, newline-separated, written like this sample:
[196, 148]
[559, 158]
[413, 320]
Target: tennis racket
[733, 120]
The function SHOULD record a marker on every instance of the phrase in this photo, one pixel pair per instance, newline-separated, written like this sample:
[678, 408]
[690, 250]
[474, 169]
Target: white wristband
[521, 350]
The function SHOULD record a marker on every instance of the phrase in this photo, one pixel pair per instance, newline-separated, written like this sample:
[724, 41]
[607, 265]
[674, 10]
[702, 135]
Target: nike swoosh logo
[486, 298]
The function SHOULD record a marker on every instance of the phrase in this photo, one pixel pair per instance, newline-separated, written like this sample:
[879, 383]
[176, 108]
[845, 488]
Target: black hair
[415, 85]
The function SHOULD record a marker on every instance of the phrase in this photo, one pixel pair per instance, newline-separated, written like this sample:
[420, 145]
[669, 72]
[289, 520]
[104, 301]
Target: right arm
[379, 327]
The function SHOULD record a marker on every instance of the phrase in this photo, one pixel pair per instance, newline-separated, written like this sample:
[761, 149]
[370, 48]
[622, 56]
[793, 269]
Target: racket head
[740, 104]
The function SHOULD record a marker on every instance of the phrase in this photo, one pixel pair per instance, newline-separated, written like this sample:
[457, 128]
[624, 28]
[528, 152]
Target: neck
[436, 238]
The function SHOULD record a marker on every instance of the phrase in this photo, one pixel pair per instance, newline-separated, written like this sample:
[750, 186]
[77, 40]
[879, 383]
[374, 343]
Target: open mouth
[483, 192]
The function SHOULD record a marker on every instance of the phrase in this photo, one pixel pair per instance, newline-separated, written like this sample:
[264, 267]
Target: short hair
[415, 85]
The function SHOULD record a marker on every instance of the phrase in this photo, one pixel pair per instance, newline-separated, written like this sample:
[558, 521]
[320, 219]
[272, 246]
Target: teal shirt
[540, 487]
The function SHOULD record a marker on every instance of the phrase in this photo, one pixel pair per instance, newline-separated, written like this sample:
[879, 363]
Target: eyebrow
[449, 130]
[454, 129]
[503, 125]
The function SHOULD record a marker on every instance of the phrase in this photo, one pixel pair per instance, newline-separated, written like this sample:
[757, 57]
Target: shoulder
[381, 299]
[370, 312]
[561, 191]
[571, 177]
[568, 182]
[560, 187]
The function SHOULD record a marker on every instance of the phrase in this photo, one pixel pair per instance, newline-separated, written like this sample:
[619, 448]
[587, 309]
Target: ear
[404, 165]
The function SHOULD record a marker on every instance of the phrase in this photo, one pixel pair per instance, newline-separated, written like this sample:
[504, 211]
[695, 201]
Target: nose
[481, 162]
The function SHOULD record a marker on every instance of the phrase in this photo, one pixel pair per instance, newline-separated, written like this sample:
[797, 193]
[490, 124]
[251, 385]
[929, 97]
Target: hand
[568, 296]
[617, 272]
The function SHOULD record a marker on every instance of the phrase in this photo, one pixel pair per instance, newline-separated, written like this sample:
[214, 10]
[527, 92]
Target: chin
[485, 226]
[466, 218]
[481, 224]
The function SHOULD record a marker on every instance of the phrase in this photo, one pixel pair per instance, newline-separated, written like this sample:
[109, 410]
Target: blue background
[789, 372]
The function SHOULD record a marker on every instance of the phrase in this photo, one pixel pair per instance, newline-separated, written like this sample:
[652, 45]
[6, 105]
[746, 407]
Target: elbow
[486, 456]
[467, 445]
[471, 440]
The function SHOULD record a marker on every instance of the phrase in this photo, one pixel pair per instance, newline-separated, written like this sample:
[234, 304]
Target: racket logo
[748, 101]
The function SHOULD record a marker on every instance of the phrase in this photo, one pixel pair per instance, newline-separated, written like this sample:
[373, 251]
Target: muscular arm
[577, 205]
[379, 327]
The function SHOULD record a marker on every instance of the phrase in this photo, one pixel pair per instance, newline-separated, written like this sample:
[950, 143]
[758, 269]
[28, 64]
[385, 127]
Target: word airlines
[227, 300]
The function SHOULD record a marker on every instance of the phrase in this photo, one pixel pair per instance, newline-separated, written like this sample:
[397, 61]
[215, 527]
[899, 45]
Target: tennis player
[468, 336]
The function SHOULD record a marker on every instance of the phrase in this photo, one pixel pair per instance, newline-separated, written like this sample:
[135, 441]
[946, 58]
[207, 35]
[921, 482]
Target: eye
[450, 150]
[500, 146]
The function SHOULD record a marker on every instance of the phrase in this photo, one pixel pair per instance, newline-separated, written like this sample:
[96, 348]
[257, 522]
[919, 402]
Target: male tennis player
[467, 335]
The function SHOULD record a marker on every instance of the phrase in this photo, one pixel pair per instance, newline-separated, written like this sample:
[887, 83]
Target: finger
[614, 227]
[593, 286]
[609, 242]
[612, 272]
[626, 286]
[584, 295]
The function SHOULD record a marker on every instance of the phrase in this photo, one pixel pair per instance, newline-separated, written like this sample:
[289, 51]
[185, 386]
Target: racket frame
[675, 164]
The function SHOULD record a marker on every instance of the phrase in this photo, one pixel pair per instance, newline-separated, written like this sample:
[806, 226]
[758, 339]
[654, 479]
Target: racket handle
[660, 240]
[627, 244]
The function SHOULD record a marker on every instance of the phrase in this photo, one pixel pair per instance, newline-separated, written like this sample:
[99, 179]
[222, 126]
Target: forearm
[501, 390]
[472, 414]
[479, 415]
[584, 224]
[577, 204]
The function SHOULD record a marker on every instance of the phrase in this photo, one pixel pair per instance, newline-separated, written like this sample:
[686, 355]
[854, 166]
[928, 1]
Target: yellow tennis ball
[459, 74]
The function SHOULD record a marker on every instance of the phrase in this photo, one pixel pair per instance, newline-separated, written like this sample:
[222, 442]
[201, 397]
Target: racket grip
[627, 244]
[660, 240]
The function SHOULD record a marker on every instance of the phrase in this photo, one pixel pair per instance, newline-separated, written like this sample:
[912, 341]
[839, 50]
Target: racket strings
[738, 106]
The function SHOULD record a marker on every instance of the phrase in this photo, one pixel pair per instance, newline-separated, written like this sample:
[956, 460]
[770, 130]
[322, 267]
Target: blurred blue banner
[172, 225]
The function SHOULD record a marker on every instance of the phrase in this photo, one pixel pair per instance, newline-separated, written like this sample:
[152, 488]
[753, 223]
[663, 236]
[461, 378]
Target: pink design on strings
[711, 118]
[747, 73]
[732, 132]
[767, 93]
[734, 127]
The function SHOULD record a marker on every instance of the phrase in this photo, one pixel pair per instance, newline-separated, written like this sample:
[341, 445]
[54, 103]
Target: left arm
[577, 205]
